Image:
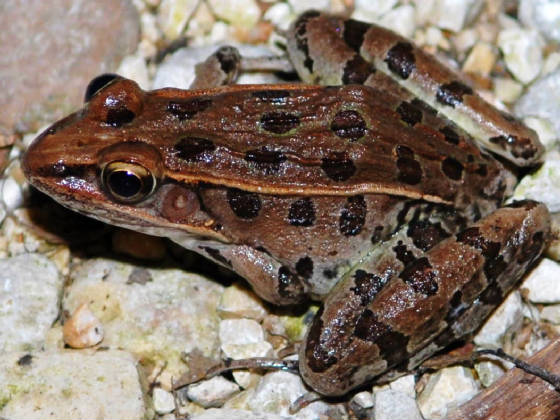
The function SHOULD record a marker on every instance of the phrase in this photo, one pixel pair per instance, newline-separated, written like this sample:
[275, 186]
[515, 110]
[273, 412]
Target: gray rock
[30, 286]
[49, 51]
[544, 15]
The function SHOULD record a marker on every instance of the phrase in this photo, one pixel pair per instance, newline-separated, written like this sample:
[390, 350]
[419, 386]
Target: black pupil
[125, 183]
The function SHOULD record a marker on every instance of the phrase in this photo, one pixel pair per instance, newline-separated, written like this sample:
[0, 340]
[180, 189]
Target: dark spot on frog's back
[452, 168]
[367, 285]
[400, 59]
[279, 122]
[245, 205]
[353, 216]
[425, 234]
[302, 212]
[354, 32]
[349, 125]
[356, 71]
[450, 135]
[185, 110]
[420, 276]
[452, 93]
[409, 113]
[409, 170]
[193, 149]
[304, 267]
[266, 160]
[338, 167]
[392, 344]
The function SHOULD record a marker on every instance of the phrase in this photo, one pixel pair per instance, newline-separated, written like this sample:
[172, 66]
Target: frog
[376, 187]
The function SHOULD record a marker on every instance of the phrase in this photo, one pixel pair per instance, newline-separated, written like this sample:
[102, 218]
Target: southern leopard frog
[371, 195]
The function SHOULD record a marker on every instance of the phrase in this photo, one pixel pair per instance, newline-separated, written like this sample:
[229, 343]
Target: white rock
[544, 184]
[454, 14]
[233, 414]
[522, 51]
[300, 6]
[240, 302]
[394, 405]
[241, 13]
[481, 59]
[401, 20]
[507, 317]
[543, 15]
[489, 372]
[12, 194]
[30, 288]
[542, 99]
[507, 90]
[446, 390]
[280, 15]
[551, 313]
[371, 11]
[551, 63]
[240, 331]
[543, 283]
[70, 385]
[173, 16]
[405, 384]
[163, 401]
[155, 314]
[134, 67]
[425, 10]
[278, 390]
[363, 399]
[212, 392]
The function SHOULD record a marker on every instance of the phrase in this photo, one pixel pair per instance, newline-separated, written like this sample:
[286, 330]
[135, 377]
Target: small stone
[542, 99]
[300, 6]
[507, 317]
[240, 302]
[545, 130]
[543, 282]
[522, 51]
[454, 14]
[544, 184]
[83, 329]
[405, 384]
[235, 414]
[551, 313]
[445, 390]
[241, 13]
[212, 392]
[163, 401]
[363, 399]
[489, 372]
[371, 11]
[30, 288]
[394, 405]
[70, 385]
[280, 15]
[543, 15]
[480, 60]
[134, 67]
[173, 16]
[551, 63]
[507, 90]
[401, 20]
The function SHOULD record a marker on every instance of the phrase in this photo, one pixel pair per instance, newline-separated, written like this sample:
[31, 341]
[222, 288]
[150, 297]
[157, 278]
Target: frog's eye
[97, 83]
[127, 182]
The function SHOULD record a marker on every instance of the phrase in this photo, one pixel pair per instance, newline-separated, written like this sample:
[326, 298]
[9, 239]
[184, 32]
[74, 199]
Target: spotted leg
[220, 69]
[397, 315]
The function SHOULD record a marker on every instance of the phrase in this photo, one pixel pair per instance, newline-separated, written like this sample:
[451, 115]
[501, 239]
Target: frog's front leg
[380, 319]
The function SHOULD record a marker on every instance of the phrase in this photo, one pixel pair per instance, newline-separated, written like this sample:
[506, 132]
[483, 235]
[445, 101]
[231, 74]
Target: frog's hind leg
[219, 69]
[386, 314]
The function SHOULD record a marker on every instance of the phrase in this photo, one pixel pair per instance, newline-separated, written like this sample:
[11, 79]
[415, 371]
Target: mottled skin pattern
[364, 196]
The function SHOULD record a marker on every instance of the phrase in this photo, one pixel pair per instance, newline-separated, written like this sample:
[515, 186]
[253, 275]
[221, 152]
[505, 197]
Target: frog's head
[103, 161]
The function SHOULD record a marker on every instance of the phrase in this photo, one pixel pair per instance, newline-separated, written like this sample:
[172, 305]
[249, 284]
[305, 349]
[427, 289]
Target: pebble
[212, 392]
[239, 302]
[47, 58]
[30, 289]
[481, 59]
[101, 385]
[445, 390]
[507, 317]
[83, 329]
[542, 185]
[452, 15]
[371, 11]
[543, 15]
[522, 52]
[489, 372]
[401, 20]
[172, 16]
[235, 414]
[551, 313]
[163, 401]
[240, 13]
[507, 90]
[395, 405]
[300, 6]
[542, 282]
[542, 99]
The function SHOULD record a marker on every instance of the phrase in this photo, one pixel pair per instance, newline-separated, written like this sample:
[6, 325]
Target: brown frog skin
[370, 199]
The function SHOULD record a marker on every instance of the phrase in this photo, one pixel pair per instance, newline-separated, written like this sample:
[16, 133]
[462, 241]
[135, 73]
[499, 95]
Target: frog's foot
[220, 69]
[380, 318]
